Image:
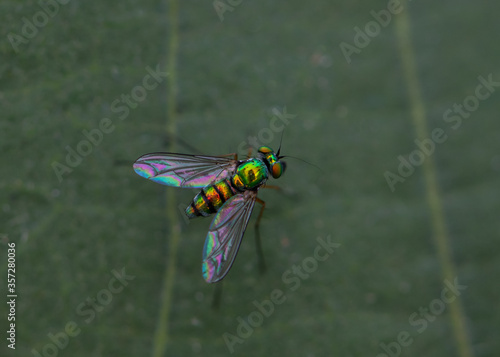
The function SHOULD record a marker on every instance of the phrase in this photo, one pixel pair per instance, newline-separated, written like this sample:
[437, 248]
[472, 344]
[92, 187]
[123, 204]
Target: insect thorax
[250, 174]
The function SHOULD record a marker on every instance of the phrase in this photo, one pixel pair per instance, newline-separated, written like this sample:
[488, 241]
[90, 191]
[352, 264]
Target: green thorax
[250, 174]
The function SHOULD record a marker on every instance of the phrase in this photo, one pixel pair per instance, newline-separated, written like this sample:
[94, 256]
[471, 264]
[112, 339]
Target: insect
[229, 188]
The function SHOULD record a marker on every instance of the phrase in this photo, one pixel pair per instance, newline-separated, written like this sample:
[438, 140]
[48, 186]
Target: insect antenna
[307, 162]
[293, 157]
[281, 140]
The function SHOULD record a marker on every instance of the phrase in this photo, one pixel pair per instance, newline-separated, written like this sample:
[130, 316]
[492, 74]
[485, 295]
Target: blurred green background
[351, 119]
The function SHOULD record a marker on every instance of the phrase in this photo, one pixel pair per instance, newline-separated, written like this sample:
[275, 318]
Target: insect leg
[217, 296]
[258, 245]
[273, 187]
[235, 155]
[169, 137]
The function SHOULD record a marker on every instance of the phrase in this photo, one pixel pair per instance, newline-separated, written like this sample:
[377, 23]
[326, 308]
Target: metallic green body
[252, 173]
[229, 189]
[249, 175]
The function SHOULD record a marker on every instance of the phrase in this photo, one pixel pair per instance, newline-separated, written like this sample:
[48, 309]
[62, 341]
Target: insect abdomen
[210, 199]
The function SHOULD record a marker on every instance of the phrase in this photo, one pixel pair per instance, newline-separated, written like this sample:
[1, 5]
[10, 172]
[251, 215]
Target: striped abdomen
[211, 198]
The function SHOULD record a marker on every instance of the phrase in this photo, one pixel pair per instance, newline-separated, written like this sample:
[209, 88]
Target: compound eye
[277, 169]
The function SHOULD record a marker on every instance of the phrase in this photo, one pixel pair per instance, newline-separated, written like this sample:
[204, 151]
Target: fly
[229, 190]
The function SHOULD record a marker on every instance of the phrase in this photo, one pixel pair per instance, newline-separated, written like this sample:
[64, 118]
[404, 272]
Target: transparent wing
[224, 236]
[181, 170]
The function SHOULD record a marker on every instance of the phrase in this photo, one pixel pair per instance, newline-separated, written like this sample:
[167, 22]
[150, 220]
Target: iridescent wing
[224, 236]
[181, 170]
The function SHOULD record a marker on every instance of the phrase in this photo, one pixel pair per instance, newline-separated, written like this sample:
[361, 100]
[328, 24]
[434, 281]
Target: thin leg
[217, 296]
[249, 152]
[169, 137]
[235, 155]
[260, 255]
[278, 188]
